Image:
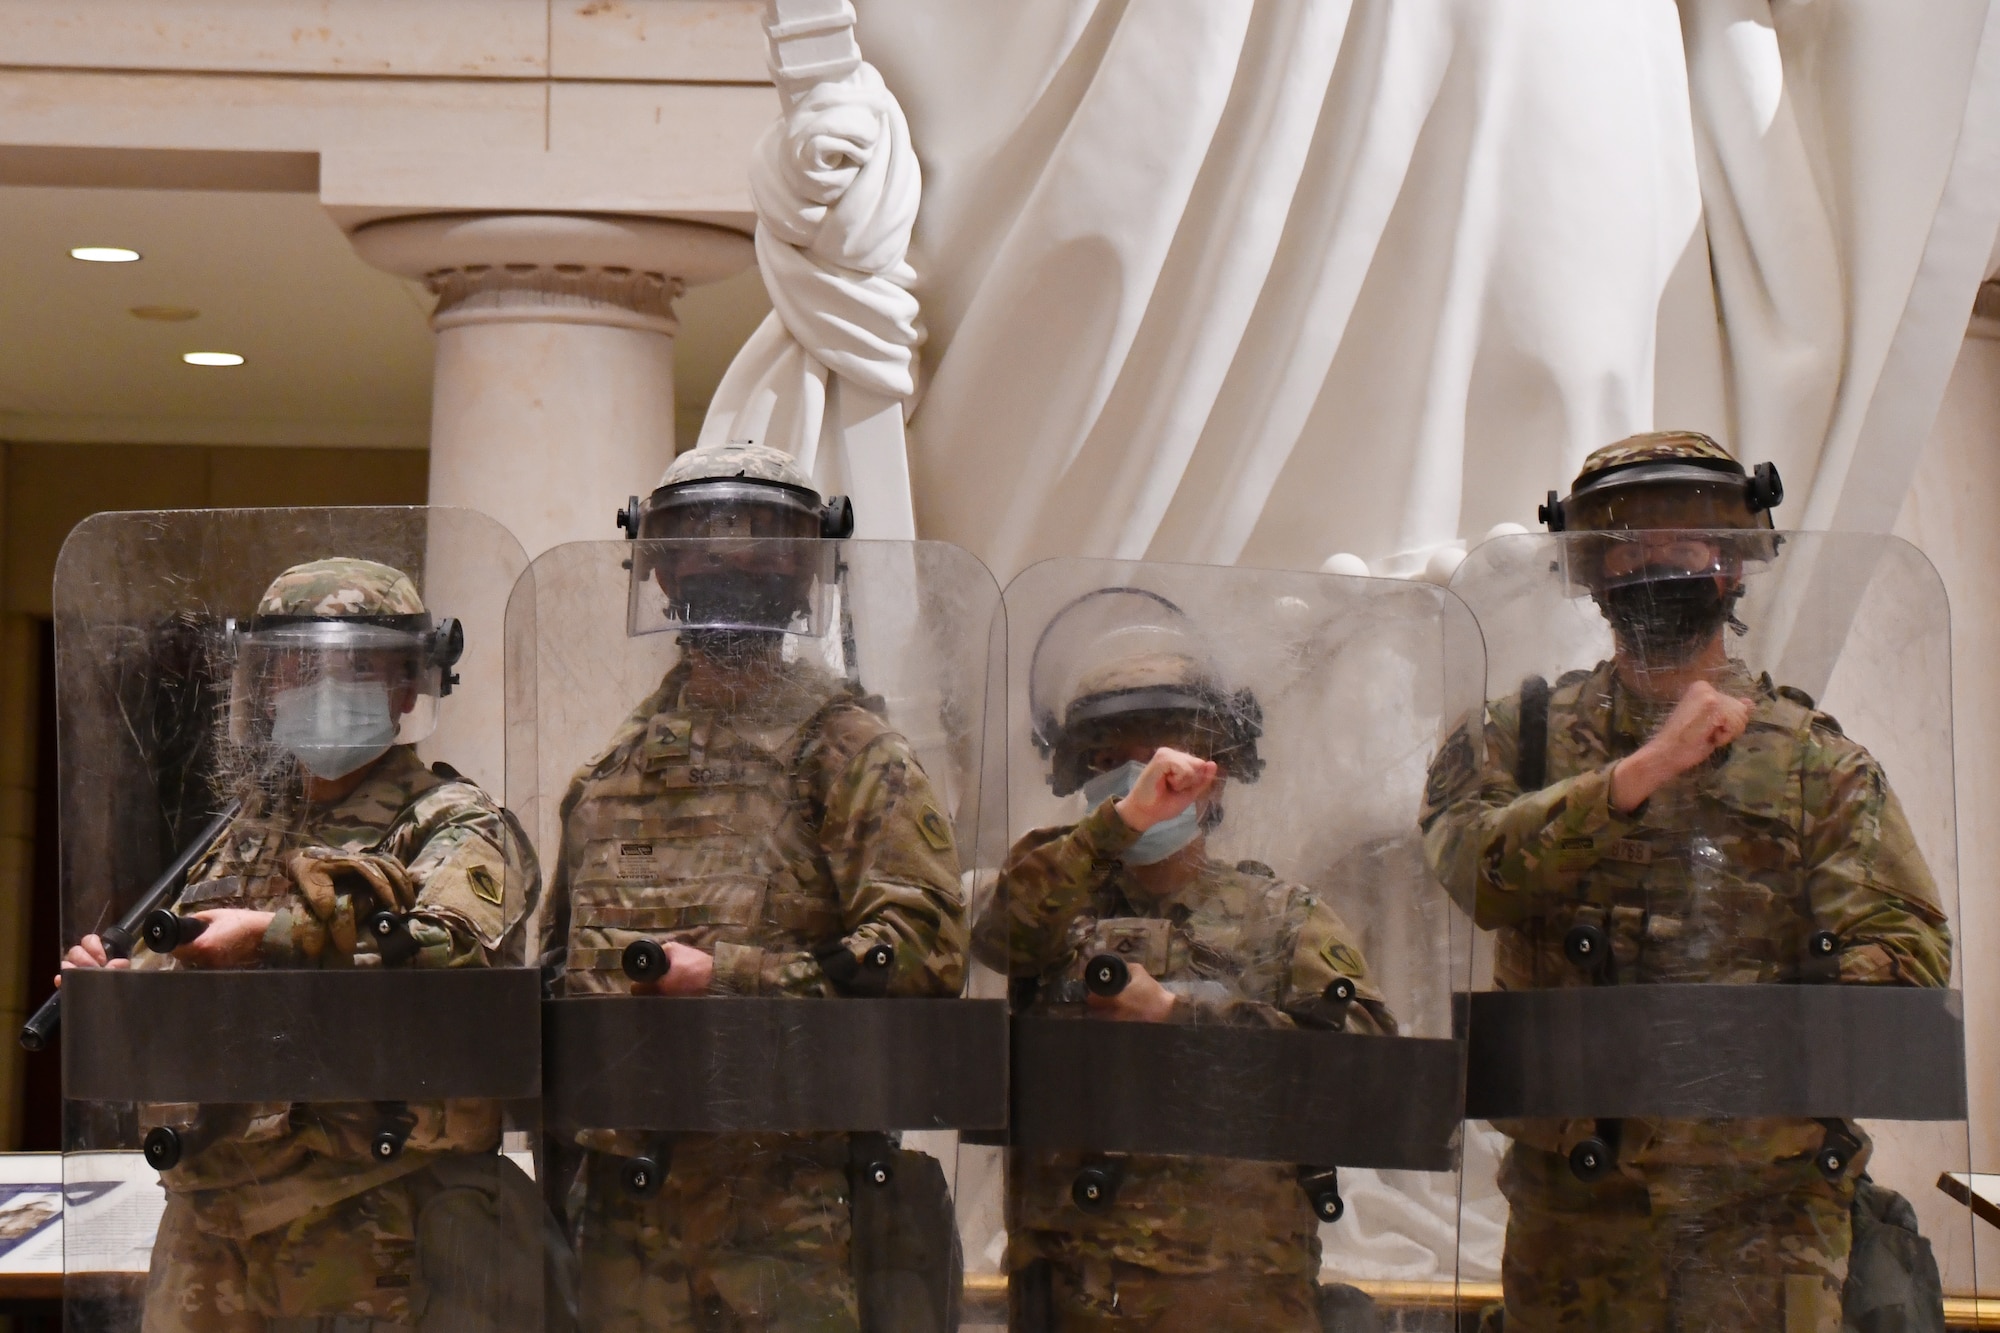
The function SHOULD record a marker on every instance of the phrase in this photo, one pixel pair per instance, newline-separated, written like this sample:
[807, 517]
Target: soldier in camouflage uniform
[1182, 1243]
[761, 821]
[1697, 824]
[287, 1218]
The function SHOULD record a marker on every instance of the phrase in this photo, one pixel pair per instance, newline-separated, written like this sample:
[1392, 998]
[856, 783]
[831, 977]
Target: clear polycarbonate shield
[1236, 1087]
[1706, 820]
[300, 1056]
[764, 846]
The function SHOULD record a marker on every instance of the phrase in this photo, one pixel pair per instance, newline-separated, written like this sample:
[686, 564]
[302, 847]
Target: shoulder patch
[484, 885]
[1336, 955]
[1257, 868]
[1454, 766]
[936, 832]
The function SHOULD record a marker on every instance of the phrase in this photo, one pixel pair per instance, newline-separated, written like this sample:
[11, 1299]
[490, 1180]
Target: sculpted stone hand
[1171, 781]
[1702, 722]
[689, 971]
[1144, 999]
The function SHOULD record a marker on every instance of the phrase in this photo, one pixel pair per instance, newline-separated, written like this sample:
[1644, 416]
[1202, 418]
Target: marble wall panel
[452, 38]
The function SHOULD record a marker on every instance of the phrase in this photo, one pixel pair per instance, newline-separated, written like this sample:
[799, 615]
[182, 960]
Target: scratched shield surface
[1717, 1034]
[305, 1082]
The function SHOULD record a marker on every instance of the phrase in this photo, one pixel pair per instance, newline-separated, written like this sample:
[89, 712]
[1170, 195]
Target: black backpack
[1892, 1277]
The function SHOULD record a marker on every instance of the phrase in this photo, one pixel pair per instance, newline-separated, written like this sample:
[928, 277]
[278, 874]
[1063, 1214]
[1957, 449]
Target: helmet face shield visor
[729, 554]
[1666, 495]
[336, 692]
[1600, 562]
[1667, 593]
[767, 585]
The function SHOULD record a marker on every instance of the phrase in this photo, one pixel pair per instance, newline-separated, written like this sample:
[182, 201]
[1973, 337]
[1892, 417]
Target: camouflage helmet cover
[341, 586]
[737, 489]
[1658, 446]
[1172, 696]
[747, 462]
[1163, 671]
[343, 604]
[1675, 479]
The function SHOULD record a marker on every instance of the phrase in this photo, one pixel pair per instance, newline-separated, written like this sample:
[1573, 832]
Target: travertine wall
[1953, 514]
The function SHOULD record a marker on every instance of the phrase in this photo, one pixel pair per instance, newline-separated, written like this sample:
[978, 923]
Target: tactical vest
[704, 831]
[1181, 1214]
[246, 868]
[1709, 886]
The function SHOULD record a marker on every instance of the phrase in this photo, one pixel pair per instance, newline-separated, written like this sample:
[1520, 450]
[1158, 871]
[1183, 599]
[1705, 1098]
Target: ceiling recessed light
[212, 358]
[104, 254]
[166, 314]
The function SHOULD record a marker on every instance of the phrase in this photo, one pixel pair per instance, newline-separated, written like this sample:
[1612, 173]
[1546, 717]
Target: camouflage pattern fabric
[748, 1233]
[776, 817]
[260, 1171]
[1659, 446]
[1236, 946]
[341, 586]
[1722, 876]
[1685, 1250]
[452, 1246]
[751, 462]
[1145, 671]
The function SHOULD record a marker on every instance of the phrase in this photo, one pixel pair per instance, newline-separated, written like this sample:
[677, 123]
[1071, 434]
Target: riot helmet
[1673, 521]
[1121, 667]
[733, 539]
[340, 661]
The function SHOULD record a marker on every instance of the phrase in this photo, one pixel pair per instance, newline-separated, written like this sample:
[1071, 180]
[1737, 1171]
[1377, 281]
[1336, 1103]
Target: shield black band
[1272, 1095]
[730, 1064]
[1713, 1051]
[298, 1035]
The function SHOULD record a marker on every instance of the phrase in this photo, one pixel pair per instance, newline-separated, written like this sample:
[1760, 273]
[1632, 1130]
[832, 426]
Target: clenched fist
[1702, 722]
[1172, 781]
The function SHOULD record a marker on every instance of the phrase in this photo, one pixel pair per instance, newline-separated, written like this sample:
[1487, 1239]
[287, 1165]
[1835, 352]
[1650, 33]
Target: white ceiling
[337, 352]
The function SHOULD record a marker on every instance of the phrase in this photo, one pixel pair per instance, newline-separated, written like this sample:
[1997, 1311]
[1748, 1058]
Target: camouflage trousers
[454, 1247]
[1754, 1249]
[1108, 1296]
[748, 1234]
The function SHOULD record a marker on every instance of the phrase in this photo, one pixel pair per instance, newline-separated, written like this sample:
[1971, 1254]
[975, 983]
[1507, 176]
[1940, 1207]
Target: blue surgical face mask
[1160, 841]
[334, 726]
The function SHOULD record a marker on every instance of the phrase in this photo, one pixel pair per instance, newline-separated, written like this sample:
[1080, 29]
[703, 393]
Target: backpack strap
[1531, 756]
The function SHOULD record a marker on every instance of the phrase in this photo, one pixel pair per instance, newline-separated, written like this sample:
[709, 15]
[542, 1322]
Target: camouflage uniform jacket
[473, 878]
[759, 833]
[1721, 876]
[1235, 946]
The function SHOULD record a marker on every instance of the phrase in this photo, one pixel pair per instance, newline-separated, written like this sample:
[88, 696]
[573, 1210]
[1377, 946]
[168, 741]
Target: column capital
[553, 268]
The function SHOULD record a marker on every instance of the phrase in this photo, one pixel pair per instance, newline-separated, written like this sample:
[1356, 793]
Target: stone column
[552, 398]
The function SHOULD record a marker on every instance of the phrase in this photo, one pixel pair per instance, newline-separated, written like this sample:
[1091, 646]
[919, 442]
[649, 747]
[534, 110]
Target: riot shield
[1707, 825]
[761, 760]
[1236, 1087]
[300, 1051]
